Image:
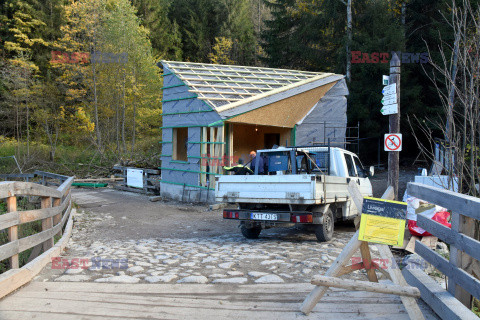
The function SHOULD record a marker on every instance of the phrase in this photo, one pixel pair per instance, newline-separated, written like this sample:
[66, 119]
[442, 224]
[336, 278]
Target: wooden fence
[151, 180]
[464, 251]
[55, 210]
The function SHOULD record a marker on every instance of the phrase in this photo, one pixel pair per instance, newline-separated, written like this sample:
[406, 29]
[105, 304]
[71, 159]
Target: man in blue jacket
[253, 163]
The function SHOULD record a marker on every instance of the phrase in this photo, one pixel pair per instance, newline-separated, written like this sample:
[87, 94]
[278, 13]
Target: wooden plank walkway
[67, 300]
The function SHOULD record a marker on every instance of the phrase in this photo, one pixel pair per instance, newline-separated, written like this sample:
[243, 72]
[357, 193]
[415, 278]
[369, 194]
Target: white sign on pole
[389, 109]
[390, 99]
[385, 80]
[393, 142]
[135, 178]
[390, 89]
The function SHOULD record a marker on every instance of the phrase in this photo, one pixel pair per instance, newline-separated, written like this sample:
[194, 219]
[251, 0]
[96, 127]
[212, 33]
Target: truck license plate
[264, 216]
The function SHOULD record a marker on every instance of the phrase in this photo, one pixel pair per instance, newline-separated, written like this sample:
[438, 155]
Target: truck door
[352, 174]
[364, 183]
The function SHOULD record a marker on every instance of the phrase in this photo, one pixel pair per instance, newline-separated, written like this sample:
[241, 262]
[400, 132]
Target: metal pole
[394, 122]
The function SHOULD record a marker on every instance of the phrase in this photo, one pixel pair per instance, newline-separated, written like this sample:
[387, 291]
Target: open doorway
[271, 139]
[246, 137]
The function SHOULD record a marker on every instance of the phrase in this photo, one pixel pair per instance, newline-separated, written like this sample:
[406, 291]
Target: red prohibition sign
[393, 142]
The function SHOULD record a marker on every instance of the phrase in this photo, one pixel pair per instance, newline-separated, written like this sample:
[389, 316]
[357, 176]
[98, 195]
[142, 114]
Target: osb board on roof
[284, 113]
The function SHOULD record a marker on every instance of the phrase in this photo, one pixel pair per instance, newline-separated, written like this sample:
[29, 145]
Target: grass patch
[83, 161]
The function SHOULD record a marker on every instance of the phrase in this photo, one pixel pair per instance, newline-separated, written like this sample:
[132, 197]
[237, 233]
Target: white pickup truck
[299, 185]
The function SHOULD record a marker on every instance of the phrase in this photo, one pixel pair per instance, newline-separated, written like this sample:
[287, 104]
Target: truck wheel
[324, 232]
[250, 233]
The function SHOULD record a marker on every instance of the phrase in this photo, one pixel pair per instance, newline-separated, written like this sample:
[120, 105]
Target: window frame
[176, 144]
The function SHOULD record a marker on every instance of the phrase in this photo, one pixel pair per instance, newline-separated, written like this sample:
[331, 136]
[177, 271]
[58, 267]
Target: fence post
[47, 223]
[13, 231]
[57, 218]
[459, 259]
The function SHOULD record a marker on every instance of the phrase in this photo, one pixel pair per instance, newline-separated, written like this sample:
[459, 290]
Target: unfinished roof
[232, 90]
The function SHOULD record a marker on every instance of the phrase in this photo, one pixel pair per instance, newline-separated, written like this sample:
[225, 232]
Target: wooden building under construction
[214, 115]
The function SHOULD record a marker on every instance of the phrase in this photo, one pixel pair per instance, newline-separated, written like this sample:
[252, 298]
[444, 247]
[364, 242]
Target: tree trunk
[28, 130]
[95, 102]
[349, 39]
[123, 112]
[134, 111]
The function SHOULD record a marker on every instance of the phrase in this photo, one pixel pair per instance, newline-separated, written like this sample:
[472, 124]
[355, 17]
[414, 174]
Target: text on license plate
[264, 216]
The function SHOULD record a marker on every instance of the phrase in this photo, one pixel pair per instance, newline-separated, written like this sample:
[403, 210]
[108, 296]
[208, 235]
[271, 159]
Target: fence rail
[55, 210]
[461, 285]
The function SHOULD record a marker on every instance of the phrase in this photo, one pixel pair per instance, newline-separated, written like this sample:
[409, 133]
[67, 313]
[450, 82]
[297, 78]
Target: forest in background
[80, 85]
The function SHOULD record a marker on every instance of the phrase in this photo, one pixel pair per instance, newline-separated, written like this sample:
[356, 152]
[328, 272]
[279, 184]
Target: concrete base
[186, 194]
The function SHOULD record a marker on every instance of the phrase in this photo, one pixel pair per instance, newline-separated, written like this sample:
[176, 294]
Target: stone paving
[223, 259]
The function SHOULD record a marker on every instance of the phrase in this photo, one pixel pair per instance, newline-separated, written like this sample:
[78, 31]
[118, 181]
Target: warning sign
[393, 142]
[383, 221]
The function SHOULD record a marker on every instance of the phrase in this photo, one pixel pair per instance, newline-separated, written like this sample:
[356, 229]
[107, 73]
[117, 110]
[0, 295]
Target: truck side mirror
[371, 171]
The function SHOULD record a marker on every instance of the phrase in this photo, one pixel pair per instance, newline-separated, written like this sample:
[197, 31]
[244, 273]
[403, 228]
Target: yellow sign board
[382, 221]
[380, 229]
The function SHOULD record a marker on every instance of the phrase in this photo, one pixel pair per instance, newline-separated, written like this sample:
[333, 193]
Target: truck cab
[299, 185]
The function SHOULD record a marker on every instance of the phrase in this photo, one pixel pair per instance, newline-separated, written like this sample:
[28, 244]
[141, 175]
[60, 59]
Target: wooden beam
[350, 268]
[317, 293]
[338, 265]
[9, 219]
[218, 98]
[230, 142]
[9, 189]
[367, 262]
[58, 217]
[397, 278]
[358, 285]
[203, 153]
[221, 148]
[219, 73]
[410, 304]
[15, 278]
[232, 81]
[270, 86]
[458, 240]
[258, 70]
[442, 302]
[37, 214]
[13, 231]
[212, 147]
[47, 223]
[466, 205]
[64, 188]
[227, 92]
[459, 276]
[174, 149]
[98, 179]
[9, 250]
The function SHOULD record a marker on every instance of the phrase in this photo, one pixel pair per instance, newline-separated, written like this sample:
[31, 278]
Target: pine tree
[239, 28]
[165, 34]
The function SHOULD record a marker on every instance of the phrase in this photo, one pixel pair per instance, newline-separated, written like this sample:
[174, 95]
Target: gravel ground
[127, 239]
